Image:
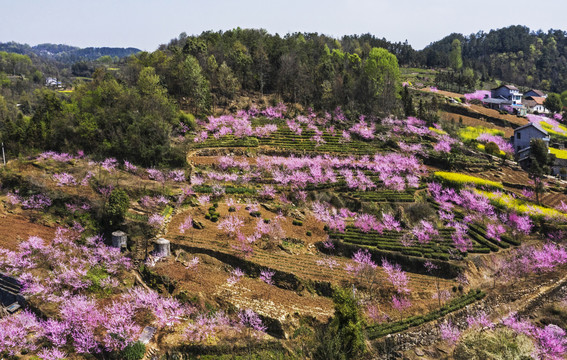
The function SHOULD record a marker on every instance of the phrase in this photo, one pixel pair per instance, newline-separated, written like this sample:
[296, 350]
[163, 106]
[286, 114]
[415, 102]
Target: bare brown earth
[299, 258]
[15, 226]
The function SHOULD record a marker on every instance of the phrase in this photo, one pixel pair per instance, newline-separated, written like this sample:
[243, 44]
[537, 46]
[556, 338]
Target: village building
[505, 97]
[535, 93]
[522, 137]
[53, 82]
[534, 104]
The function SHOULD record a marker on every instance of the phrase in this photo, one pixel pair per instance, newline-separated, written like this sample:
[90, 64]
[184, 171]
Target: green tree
[116, 207]
[553, 103]
[382, 74]
[564, 98]
[539, 165]
[227, 82]
[135, 351]
[492, 148]
[455, 56]
[344, 337]
[195, 86]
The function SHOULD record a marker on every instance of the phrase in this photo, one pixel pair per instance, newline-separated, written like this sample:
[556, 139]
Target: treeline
[130, 107]
[65, 53]
[312, 69]
[513, 54]
[103, 117]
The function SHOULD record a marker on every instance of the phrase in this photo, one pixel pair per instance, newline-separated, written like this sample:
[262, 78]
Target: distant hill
[514, 54]
[66, 53]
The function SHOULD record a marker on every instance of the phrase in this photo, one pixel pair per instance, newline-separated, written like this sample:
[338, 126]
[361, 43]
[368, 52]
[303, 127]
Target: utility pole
[3, 154]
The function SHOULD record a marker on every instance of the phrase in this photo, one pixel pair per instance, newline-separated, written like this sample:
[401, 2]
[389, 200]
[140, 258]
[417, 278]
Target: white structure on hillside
[507, 92]
[507, 98]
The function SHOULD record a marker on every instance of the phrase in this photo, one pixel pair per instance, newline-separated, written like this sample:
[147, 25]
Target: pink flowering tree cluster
[503, 144]
[449, 332]
[363, 129]
[394, 170]
[59, 157]
[235, 276]
[231, 225]
[478, 95]
[239, 125]
[397, 277]
[83, 325]
[364, 268]
[64, 179]
[186, 224]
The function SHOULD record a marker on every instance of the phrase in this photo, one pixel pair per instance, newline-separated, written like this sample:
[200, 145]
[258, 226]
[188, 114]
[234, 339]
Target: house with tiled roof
[507, 92]
[534, 104]
[535, 93]
[505, 97]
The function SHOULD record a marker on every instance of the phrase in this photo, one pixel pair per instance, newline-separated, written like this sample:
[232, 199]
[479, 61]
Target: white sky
[145, 24]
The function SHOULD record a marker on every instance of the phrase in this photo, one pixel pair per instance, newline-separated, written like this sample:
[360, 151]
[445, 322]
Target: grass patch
[438, 131]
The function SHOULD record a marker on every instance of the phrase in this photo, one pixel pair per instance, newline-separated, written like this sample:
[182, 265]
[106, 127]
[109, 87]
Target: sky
[145, 24]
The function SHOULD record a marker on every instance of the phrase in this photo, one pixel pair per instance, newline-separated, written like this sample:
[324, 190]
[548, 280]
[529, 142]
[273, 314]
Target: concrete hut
[119, 239]
[162, 247]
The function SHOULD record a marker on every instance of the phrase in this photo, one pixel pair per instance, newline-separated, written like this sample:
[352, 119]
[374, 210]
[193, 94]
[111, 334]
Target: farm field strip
[305, 266]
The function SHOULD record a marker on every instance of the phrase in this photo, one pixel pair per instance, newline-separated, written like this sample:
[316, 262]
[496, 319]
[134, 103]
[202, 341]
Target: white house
[51, 81]
[535, 104]
[507, 92]
[505, 97]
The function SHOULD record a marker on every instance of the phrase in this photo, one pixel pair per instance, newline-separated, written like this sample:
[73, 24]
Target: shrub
[116, 207]
[308, 233]
[135, 351]
[297, 222]
[231, 209]
[501, 343]
[492, 149]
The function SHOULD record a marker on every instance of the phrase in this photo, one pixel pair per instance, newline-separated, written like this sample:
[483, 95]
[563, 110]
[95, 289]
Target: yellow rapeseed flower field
[471, 132]
[561, 154]
[524, 207]
[463, 179]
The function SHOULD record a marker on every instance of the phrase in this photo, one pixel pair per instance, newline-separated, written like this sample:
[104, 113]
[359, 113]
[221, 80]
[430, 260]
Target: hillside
[275, 212]
[241, 195]
[514, 54]
[65, 53]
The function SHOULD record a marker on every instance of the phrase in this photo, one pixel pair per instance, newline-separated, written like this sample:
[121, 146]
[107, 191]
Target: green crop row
[391, 241]
[384, 329]
[227, 141]
[206, 189]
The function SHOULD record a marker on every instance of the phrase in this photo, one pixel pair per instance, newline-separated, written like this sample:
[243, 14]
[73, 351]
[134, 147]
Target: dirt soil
[16, 228]
[299, 258]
